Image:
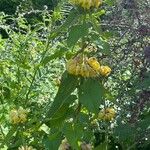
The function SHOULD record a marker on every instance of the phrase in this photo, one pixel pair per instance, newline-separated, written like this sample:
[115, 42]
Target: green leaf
[4, 92]
[110, 2]
[102, 146]
[76, 32]
[101, 43]
[72, 18]
[88, 135]
[144, 124]
[61, 114]
[73, 133]
[53, 141]
[124, 132]
[8, 136]
[99, 13]
[146, 82]
[58, 122]
[64, 107]
[90, 94]
[68, 85]
[57, 54]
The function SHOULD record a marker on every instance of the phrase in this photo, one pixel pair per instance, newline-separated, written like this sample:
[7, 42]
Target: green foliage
[53, 141]
[63, 98]
[73, 132]
[77, 32]
[10, 6]
[34, 76]
[91, 94]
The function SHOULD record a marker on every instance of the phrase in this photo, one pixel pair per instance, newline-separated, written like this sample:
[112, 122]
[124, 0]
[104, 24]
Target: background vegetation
[38, 38]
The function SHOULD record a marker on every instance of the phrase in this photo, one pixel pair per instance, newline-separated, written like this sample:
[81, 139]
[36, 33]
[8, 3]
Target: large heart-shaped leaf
[63, 97]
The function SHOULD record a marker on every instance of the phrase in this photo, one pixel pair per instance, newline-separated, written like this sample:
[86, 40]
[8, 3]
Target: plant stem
[2, 131]
[37, 69]
[106, 136]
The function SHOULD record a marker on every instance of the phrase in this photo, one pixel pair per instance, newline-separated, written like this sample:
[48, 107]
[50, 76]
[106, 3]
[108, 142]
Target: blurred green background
[10, 6]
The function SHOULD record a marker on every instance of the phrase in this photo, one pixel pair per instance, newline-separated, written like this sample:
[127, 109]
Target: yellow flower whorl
[71, 66]
[87, 4]
[105, 70]
[86, 67]
[107, 114]
[18, 116]
[94, 63]
[82, 66]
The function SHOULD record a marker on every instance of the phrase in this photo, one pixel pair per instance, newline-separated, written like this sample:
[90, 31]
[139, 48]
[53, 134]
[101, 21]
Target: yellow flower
[82, 66]
[14, 116]
[57, 82]
[94, 63]
[87, 4]
[94, 122]
[92, 72]
[105, 70]
[18, 116]
[22, 115]
[71, 66]
[107, 114]
[84, 70]
[97, 3]
[78, 69]
[87, 71]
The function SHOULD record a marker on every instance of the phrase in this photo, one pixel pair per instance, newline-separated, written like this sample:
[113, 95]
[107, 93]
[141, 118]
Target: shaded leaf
[124, 132]
[52, 142]
[102, 146]
[57, 54]
[73, 133]
[4, 92]
[77, 32]
[101, 43]
[72, 18]
[110, 2]
[90, 94]
[68, 85]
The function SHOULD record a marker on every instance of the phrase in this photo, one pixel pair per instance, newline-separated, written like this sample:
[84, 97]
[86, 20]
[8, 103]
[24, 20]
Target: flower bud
[94, 63]
[107, 114]
[105, 70]
[18, 116]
